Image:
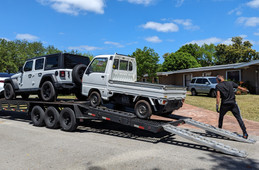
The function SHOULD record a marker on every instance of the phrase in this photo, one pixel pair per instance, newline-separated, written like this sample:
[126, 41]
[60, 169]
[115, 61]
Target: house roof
[210, 68]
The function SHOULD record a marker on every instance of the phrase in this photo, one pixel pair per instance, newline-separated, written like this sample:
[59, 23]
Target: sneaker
[245, 135]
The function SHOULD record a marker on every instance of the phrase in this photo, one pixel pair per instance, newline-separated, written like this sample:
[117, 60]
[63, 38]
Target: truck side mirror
[21, 69]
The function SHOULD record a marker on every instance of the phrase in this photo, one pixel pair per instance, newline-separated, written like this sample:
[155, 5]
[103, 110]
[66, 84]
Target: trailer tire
[77, 73]
[51, 118]
[95, 99]
[9, 93]
[143, 109]
[37, 116]
[48, 92]
[68, 120]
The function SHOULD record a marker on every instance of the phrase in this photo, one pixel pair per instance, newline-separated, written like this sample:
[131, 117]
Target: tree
[147, 60]
[179, 61]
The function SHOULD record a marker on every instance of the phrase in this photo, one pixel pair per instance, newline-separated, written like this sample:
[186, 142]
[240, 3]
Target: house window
[234, 75]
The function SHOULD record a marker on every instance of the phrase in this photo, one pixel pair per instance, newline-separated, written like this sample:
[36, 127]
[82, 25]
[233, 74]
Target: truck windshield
[98, 65]
[70, 61]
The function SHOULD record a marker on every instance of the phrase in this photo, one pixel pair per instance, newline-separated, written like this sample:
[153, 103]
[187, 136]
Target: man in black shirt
[228, 102]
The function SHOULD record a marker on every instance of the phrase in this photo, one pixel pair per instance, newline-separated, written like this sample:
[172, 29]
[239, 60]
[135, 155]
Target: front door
[95, 77]
[25, 81]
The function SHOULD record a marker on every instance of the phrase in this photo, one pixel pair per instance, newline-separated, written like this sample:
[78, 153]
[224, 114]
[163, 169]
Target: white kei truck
[113, 78]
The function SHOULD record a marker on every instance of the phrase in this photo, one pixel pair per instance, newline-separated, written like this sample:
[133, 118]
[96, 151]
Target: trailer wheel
[143, 109]
[51, 118]
[9, 91]
[48, 92]
[68, 120]
[37, 116]
[95, 99]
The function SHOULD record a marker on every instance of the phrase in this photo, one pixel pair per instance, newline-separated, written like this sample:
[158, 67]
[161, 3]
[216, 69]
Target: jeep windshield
[70, 61]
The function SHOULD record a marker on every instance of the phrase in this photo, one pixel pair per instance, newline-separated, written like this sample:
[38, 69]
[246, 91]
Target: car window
[213, 80]
[193, 80]
[123, 65]
[116, 64]
[28, 66]
[51, 62]
[130, 66]
[199, 81]
[205, 81]
[98, 65]
[39, 64]
[70, 61]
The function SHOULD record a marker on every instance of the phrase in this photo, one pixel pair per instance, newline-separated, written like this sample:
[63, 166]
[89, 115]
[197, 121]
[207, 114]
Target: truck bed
[147, 89]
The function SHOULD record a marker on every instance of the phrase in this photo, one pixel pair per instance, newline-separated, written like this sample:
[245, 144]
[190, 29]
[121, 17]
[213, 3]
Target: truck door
[25, 81]
[96, 77]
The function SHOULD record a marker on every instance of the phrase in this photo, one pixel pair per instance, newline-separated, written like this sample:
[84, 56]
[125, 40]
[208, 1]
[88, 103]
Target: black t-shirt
[227, 92]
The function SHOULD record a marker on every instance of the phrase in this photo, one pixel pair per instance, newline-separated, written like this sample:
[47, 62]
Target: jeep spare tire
[77, 73]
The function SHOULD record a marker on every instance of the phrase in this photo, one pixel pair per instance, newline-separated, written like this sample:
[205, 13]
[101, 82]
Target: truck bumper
[170, 106]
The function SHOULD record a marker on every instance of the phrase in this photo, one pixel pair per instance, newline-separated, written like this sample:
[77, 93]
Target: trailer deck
[82, 110]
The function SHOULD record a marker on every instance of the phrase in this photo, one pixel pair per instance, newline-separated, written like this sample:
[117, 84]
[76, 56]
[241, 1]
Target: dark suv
[48, 76]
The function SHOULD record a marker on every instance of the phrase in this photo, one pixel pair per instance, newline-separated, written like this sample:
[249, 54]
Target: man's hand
[217, 108]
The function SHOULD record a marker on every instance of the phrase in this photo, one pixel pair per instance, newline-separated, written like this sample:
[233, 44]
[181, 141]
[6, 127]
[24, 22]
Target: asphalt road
[104, 145]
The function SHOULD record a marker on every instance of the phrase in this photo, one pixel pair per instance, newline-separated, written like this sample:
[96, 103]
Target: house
[246, 72]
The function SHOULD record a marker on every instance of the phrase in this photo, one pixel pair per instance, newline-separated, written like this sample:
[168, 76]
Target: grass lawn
[248, 104]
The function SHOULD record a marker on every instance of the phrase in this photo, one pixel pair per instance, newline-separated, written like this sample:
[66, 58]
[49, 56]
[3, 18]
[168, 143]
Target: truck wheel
[95, 99]
[51, 118]
[68, 120]
[77, 73]
[48, 92]
[194, 93]
[37, 116]
[143, 109]
[25, 96]
[213, 93]
[9, 91]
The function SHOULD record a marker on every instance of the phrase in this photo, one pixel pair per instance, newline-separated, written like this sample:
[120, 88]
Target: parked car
[3, 76]
[205, 85]
[48, 76]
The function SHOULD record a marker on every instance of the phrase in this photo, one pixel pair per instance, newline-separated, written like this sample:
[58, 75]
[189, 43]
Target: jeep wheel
[143, 109]
[194, 93]
[95, 99]
[77, 73]
[48, 92]
[9, 93]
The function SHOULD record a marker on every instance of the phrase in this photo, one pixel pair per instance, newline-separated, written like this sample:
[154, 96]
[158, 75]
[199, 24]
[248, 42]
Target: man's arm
[217, 101]
[243, 89]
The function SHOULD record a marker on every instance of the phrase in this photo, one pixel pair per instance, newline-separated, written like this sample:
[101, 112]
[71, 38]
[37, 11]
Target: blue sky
[109, 26]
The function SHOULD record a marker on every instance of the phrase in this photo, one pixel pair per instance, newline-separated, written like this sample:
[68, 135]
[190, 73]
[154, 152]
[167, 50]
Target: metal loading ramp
[204, 141]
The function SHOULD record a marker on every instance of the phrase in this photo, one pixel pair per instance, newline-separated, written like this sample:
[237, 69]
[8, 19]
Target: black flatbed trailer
[67, 113]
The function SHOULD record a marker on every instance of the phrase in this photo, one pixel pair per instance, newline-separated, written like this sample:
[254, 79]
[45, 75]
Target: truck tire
[95, 99]
[51, 118]
[143, 109]
[77, 73]
[37, 116]
[9, 93]
[25, 96]
[194, 93]
[68, 120]
[48, 92]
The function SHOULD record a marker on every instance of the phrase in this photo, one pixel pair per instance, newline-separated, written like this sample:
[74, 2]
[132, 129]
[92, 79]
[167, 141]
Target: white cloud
[84, 48]
[237, 11]
[166, 27]
[212, 40]
[142, 2]
[28, 37]
[253, 4]
[179, 3]
[114, 43]
[74, 7]
[248, 21]
[187, 23]
[153, 39]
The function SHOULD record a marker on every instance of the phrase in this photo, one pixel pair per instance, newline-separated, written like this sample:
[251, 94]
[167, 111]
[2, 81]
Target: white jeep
[48, 76]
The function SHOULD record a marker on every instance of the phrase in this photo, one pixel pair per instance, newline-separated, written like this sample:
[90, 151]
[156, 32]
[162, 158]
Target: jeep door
[96, 77]
[25, 81]
[38, 72]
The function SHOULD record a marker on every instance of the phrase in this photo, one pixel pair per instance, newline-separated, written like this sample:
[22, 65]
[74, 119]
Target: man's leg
[236, 112]
[223, 110]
